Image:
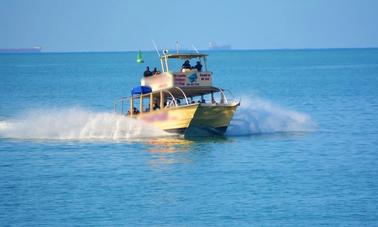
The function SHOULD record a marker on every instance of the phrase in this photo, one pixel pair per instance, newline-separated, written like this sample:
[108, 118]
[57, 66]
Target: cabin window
[146, 103]
[136, 105]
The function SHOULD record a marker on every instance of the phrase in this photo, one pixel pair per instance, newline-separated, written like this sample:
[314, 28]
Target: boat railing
[119, 104]
[123, 104]
[231, 98]
[173, 101]
[220, 97]
[185, 97]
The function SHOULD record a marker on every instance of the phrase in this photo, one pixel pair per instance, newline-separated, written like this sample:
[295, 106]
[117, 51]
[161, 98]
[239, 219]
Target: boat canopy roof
[141, 90]
[178, 92]
[192, 91]
[184, 56]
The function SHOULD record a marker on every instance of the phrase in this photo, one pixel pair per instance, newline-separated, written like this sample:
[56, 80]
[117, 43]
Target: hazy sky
[118, 25]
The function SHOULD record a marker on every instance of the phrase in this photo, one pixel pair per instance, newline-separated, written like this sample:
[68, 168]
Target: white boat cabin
[184, 77]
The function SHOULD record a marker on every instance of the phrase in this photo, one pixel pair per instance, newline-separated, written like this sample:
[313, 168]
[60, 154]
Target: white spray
[257, 116]
[254, 116]
[75, 123]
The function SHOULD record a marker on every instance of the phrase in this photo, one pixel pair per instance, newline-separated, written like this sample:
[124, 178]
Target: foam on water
[254, 116]
[75, 124]
[258, 116]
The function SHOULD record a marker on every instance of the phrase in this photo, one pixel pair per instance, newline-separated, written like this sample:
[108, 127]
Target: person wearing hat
[198, 66]
[147, 73]
[186, 65]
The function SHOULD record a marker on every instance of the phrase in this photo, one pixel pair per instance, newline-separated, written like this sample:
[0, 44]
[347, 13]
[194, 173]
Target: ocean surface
[302, 149]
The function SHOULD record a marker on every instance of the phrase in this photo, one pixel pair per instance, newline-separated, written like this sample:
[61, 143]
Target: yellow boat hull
[192, 120]
[211, 120]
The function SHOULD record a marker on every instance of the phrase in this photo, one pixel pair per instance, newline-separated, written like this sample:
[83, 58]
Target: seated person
[198, 66]
[147, 73]
[186, 65]
[156, 106]
[135, 111]
[155, 71]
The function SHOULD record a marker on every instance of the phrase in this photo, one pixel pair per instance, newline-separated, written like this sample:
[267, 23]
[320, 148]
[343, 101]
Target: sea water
[302, 149]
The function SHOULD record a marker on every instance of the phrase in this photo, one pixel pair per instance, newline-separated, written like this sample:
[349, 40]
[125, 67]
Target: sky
[123, 25]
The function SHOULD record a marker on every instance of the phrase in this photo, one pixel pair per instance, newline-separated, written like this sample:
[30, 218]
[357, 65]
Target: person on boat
[198, 66]
[156, 106]
[147, 73]
[135, 111]
[186, 65]
[155, 71]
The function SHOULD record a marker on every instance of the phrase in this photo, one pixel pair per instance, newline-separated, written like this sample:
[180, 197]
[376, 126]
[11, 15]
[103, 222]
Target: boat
[215, 47]
[182, 101]
[35, 49]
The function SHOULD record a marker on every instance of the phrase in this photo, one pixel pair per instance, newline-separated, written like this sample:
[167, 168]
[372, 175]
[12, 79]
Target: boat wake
[254, 116]
[258, 116]
[75, 124]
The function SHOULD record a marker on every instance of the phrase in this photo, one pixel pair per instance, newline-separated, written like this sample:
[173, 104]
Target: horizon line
[252, 49]
[205, 50]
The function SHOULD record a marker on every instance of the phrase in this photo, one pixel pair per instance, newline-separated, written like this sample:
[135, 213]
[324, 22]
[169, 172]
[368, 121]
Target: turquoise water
[301, 151]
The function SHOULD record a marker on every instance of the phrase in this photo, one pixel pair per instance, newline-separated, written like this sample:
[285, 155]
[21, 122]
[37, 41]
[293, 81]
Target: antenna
[157, 51]
[177, 47]
[195, 49]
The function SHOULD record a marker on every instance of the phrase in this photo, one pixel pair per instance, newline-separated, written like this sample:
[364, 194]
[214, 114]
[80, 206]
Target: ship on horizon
[214, 46]
[35, 49]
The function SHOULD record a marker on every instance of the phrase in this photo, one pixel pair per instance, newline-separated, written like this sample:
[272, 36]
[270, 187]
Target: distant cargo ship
[36, 49]
[214, 46]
